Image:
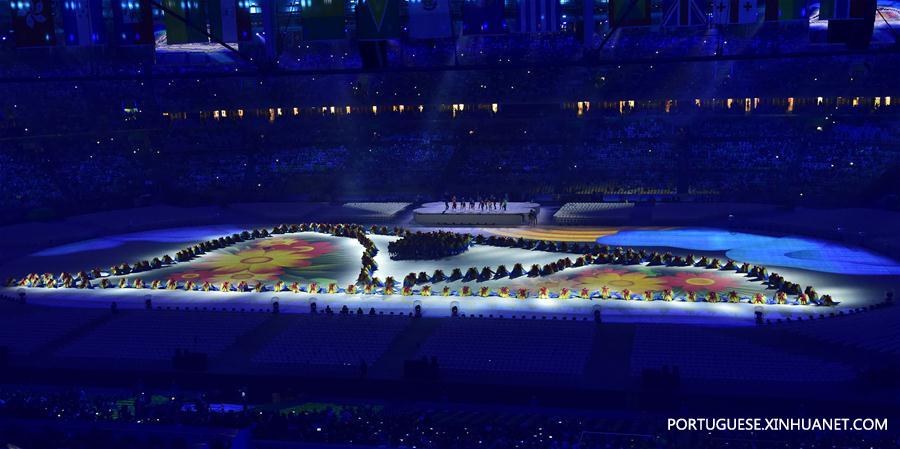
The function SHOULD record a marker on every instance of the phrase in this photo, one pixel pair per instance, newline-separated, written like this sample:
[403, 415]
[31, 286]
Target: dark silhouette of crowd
[819, 131]
[802, 159]
[429, 245]
[508, 50]
[39, 413]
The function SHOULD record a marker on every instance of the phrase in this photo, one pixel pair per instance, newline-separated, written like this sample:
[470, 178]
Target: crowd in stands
[491, 122]
[494, 347]
[759, 159]
[580, 213]
[87, 102]
[466, 50]
[80, 145]
[382, 425]
[376, 211]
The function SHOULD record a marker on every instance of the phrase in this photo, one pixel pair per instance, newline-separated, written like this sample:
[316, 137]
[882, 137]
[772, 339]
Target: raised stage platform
[438, 214]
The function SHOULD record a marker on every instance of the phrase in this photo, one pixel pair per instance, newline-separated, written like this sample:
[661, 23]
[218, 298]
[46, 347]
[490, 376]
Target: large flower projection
[296, 245]
[301, 258]
[257, 261]
[200, 276]
[619, 280]
[701, 281]
[311, 257]
[642, 278]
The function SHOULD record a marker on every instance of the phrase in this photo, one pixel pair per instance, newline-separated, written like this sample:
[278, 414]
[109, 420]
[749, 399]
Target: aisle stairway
[608, 365]
[235, 358]
[46, 350]
[403, 348]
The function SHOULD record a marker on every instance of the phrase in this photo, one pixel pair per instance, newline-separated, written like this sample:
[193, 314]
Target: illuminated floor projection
[302, 257]
[331, 264]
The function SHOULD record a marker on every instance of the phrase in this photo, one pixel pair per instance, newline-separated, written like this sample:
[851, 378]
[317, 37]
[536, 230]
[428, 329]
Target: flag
[98, 22]
[735, 11]
[538, 16]
[322, 19]
[792, 9]
[132, 22]
[177, 30]
[223, 19]
[378, 19]
[77, 22]
[32, 23]
[483, 17]
[684, 13]
[843, 9]
[429, 19]
[629, 12]
[242, 16]
[786, 10]
[849, 21]
[587, 23]
[834, 9]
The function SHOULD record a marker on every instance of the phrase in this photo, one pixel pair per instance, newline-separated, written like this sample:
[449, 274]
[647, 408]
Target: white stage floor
[338, 260]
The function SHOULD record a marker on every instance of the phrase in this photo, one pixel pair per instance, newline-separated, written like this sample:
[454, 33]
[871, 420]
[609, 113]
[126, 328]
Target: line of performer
[479, 204]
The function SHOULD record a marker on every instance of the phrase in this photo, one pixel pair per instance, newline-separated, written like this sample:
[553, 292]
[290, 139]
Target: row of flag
[703, 12]
[132, 21]
[229, 20]
[33, 22]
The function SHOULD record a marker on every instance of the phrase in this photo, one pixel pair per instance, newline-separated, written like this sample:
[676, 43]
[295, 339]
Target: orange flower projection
[217, 277]
[269, 259]
[701, 281]
[265, 256]
[256, 261]
[618, 280]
